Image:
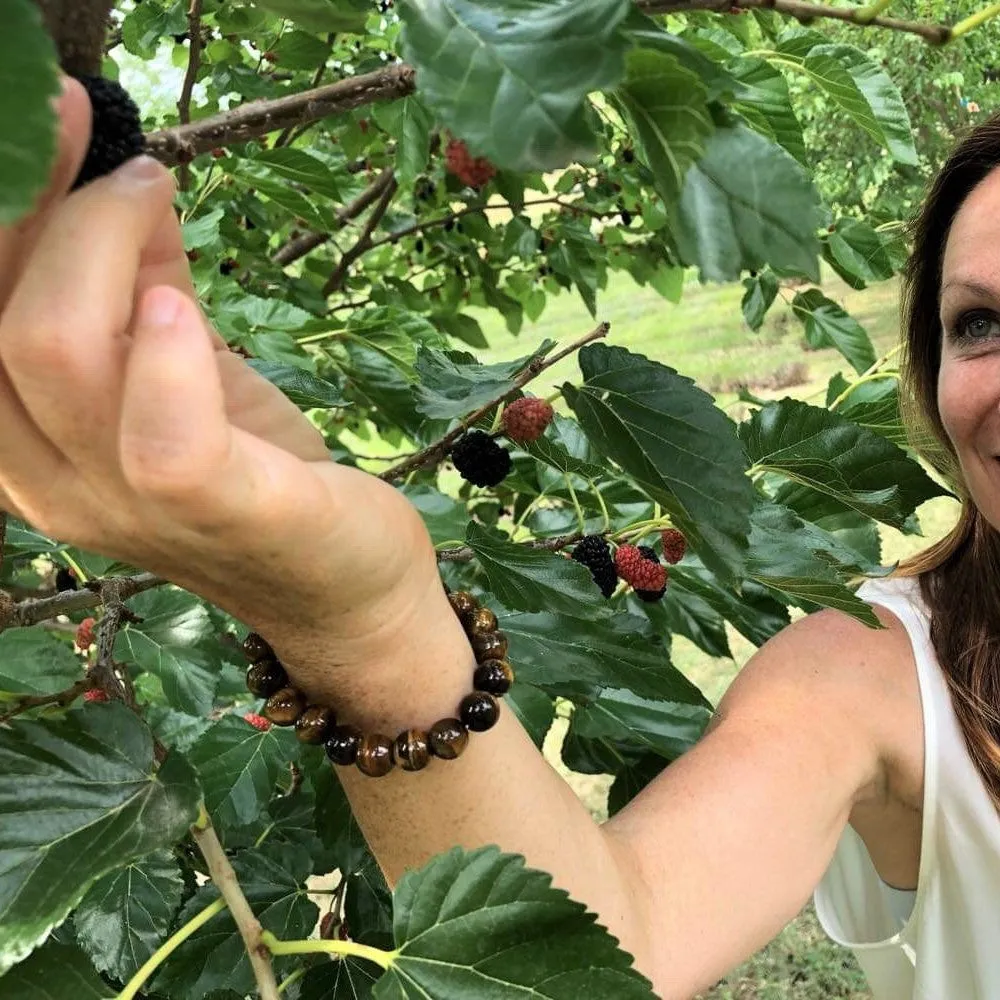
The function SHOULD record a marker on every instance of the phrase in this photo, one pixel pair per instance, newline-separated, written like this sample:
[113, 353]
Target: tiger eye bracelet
[375, 754]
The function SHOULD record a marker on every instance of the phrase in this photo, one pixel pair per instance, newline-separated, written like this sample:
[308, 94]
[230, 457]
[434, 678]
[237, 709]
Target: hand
[127, 427]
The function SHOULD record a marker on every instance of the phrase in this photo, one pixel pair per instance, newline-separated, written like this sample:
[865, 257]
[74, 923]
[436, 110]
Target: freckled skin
[969, 377]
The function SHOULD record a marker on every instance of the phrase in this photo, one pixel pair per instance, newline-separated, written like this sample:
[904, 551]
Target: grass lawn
[705, 338]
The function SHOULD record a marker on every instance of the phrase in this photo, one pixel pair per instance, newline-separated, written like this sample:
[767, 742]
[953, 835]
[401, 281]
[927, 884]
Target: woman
[129, 428]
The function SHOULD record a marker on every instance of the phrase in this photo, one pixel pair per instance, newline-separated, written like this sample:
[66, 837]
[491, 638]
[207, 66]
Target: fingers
[73, 109]
[63, 336]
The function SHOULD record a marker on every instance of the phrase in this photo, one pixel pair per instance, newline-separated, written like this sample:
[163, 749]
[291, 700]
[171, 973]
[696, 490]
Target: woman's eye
[978, 326]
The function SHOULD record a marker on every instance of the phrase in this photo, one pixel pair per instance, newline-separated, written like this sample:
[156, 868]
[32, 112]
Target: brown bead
[284, 707]
[479, 711]
[342, 746]
[463, 603]
[492, 646]
[448, 739]
[494, 676]
[375, 755]
[410, 751]
[266, 677]
[256, 647]
[314, 724]
[481, 621]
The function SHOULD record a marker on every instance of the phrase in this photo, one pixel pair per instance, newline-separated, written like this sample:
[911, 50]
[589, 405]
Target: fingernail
[139, 172]
[162, 307]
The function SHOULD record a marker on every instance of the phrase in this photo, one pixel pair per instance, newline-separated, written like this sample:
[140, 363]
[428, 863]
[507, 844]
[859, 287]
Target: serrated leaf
[169, 642]
[761, 291]
[319, 15]
[687, 613]
[79, 798]
[238, 767]
[472, 923]
[214, 957]
[301, 167]
[763, 100]
[56, 971]
[512, 77]
[669, 436]
[827, 325]
[555, 454]
[856, 252]
[454, 383]
[834, 465]
[301, 387]
[126, 915]
[873, 405]
[409, 122]
[202, 231]
[35, 662]
[747, 203]
[573, 656]
[527, 579]
[396, 333]
[348, 979]
[28, 82]
[670, 117]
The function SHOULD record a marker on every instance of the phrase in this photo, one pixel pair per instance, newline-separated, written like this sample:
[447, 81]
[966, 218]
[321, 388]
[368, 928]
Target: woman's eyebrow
[975, 286]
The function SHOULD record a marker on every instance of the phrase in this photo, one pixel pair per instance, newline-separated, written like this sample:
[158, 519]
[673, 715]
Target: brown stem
[465, 554]
[110, 676]
[436, 451]
[194, 61]
[935, 34]
[33, 610]
[61, 698]
[248, 925]
[183, 143]
[79, 29]
[288, 135]
[364, 243]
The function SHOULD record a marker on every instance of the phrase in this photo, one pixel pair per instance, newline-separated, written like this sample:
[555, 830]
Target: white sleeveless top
[941, 941]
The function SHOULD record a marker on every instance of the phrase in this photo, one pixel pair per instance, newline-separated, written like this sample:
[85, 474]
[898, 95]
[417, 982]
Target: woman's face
[969, 379]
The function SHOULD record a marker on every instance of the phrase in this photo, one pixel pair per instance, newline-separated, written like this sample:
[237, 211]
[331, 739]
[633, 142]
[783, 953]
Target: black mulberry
[480, 460]
[650, 595]
[117, 129]
[595, 553]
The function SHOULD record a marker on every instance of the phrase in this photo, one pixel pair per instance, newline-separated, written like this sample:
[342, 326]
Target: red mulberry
[525, 419]
[638, 571]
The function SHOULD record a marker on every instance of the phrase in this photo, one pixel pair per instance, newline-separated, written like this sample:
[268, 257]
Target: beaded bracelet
[375, 754]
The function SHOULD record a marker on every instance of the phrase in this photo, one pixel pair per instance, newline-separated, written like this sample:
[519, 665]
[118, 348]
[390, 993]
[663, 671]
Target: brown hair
[959, 575]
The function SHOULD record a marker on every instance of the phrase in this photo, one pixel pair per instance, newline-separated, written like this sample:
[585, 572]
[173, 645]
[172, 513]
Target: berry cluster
[525, 419]
[475, 171]
[116, 134]
[638, 565]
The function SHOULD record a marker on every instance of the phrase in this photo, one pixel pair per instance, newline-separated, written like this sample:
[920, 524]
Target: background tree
[351, 186]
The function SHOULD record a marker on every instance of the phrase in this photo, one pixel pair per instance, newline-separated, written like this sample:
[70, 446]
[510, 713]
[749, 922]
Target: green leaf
[463, 327]
[555, 454]
[348, 979]
[670, 437]
[214, 957]
[28, 83]
[56, 971]
[22, 539]
[478, 923]
[512, 77]
[867, 94]
[667, 106]
[453, 383]
[667, 728]
[79, 798]
[126, 914]
[761, 291]
[534, 709]
[687, 613]
[873, 405]
[827, 325]
[409, 122]
[35, 662]
[747, 203]
[574, 656]
[302, 388]
[238, 767]
[856, 252]
[444, 517]
[301, 167]
[763, 100]
[803, 564]
[202, 231]
[396, 333]
[169, 642]
[834, 465]
[533, 579]
[319, 15]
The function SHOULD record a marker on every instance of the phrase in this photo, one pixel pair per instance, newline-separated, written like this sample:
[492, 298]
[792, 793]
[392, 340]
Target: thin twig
[110, 677]
[465, 554]
[935, 34]
[247, 923]
[60, 698]
[364, 242]
[183, 143]
[436, 451]
[194, 61]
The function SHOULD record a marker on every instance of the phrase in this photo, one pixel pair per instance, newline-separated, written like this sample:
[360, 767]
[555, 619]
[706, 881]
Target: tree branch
[183, 143]
[110, 677]
[194, 61]
[61, 698]
[436, 451]
[935, 34]
[79, 29]
[229, 887]
[465, 554]
[389, 185]
[288, 135]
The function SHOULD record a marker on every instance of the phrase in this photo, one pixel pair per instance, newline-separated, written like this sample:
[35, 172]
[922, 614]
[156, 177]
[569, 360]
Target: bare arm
[710, 861]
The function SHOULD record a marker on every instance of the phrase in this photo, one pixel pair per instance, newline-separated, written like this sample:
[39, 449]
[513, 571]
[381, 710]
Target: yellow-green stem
[604, 508]
[576, 503]
[277, 947]
[168, 947]
[75, 566]
[975, 20]
[292, 979]
[872, 377]
[867, 14]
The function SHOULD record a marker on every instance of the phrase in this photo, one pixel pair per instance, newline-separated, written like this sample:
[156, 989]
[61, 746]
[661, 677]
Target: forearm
[500, 791]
